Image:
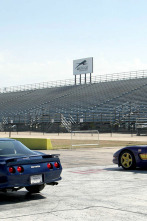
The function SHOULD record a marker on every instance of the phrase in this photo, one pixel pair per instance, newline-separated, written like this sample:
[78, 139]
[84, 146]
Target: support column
[90, 77]
[75, 80]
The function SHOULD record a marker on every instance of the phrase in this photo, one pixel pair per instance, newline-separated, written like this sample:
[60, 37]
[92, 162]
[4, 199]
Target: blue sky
[39, 39]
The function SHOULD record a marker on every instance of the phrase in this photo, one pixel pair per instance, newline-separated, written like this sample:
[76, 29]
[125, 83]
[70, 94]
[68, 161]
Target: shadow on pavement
[120, 169]
[18, 197]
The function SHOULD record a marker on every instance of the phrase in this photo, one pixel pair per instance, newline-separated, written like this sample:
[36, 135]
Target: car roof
[6, 139]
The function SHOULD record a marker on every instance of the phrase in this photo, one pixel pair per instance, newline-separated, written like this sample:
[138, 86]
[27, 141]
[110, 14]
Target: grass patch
[61, 143]
[108, 143]
[66, 144]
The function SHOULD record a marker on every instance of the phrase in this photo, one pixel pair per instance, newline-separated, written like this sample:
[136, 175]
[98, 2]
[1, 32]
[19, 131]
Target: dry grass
[65, 144]
[107, 143]
[61, 143]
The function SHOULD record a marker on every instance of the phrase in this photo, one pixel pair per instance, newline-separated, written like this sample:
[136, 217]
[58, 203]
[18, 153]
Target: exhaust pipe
[53, 183]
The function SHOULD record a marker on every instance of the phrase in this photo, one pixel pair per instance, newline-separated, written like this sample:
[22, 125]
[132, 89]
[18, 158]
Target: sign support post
[75, 80]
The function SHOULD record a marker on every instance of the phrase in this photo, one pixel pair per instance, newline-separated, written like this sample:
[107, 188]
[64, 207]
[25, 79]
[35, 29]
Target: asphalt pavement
[91, 189]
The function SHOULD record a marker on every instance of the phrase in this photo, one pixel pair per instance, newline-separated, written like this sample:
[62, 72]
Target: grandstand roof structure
[109, 99]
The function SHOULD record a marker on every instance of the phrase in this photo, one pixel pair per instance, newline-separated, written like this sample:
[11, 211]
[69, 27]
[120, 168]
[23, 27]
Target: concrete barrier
[36, 143]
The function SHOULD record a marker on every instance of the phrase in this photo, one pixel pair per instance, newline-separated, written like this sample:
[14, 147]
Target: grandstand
[106, 103]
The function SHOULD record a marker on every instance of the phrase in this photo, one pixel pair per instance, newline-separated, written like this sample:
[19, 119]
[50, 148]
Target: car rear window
[14, 148]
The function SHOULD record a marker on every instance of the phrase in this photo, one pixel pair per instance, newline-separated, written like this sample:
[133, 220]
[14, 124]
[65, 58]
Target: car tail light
[50, 166]
[20, 169]
[56, 164]
[11, 169]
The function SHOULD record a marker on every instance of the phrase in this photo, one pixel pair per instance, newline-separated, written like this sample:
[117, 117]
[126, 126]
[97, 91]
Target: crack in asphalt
[65, 210]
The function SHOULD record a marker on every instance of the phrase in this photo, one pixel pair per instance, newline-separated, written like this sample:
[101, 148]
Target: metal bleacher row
[103, 101]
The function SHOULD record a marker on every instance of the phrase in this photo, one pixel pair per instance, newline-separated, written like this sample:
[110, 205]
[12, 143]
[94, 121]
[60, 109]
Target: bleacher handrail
[70, 82]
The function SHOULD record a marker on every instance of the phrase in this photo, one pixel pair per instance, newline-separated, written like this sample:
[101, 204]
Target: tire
[35, 188]
[127, 160]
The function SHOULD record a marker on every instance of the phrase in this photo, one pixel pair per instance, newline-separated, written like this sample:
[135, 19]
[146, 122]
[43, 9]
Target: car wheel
[127, 160]
[35, 188]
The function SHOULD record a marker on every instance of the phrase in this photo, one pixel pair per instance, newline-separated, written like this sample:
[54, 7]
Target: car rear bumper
[39, 173]
[25, 180]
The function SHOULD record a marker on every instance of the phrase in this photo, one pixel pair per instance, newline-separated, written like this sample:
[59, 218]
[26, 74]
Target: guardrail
[68, 82]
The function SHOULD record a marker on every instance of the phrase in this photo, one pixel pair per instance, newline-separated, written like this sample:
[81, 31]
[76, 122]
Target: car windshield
[14, 148]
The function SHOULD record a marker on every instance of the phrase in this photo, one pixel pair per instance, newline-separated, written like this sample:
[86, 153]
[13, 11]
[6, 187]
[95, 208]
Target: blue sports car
[131, 157]
[21, 167]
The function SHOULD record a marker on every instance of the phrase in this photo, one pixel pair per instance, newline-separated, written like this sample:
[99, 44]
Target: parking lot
[92, 188]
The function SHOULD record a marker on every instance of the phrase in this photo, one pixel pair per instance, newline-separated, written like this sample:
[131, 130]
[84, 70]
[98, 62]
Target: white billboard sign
[83, 66]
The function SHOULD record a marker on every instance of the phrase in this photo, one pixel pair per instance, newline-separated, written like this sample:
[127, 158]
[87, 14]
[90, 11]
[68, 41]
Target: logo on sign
[82, 66]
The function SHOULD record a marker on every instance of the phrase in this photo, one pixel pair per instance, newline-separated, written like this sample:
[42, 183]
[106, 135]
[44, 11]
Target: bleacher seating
[101, 101]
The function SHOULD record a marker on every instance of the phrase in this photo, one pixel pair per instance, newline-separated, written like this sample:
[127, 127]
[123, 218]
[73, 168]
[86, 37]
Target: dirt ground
[64, 141]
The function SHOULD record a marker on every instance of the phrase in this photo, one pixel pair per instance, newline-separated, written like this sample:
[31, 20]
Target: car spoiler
[50, 155]
[28, 160]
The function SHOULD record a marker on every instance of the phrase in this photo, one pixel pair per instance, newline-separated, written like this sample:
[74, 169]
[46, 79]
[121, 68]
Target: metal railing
[70, 82]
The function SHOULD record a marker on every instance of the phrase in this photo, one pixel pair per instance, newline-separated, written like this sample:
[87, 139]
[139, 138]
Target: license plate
[36, 179]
